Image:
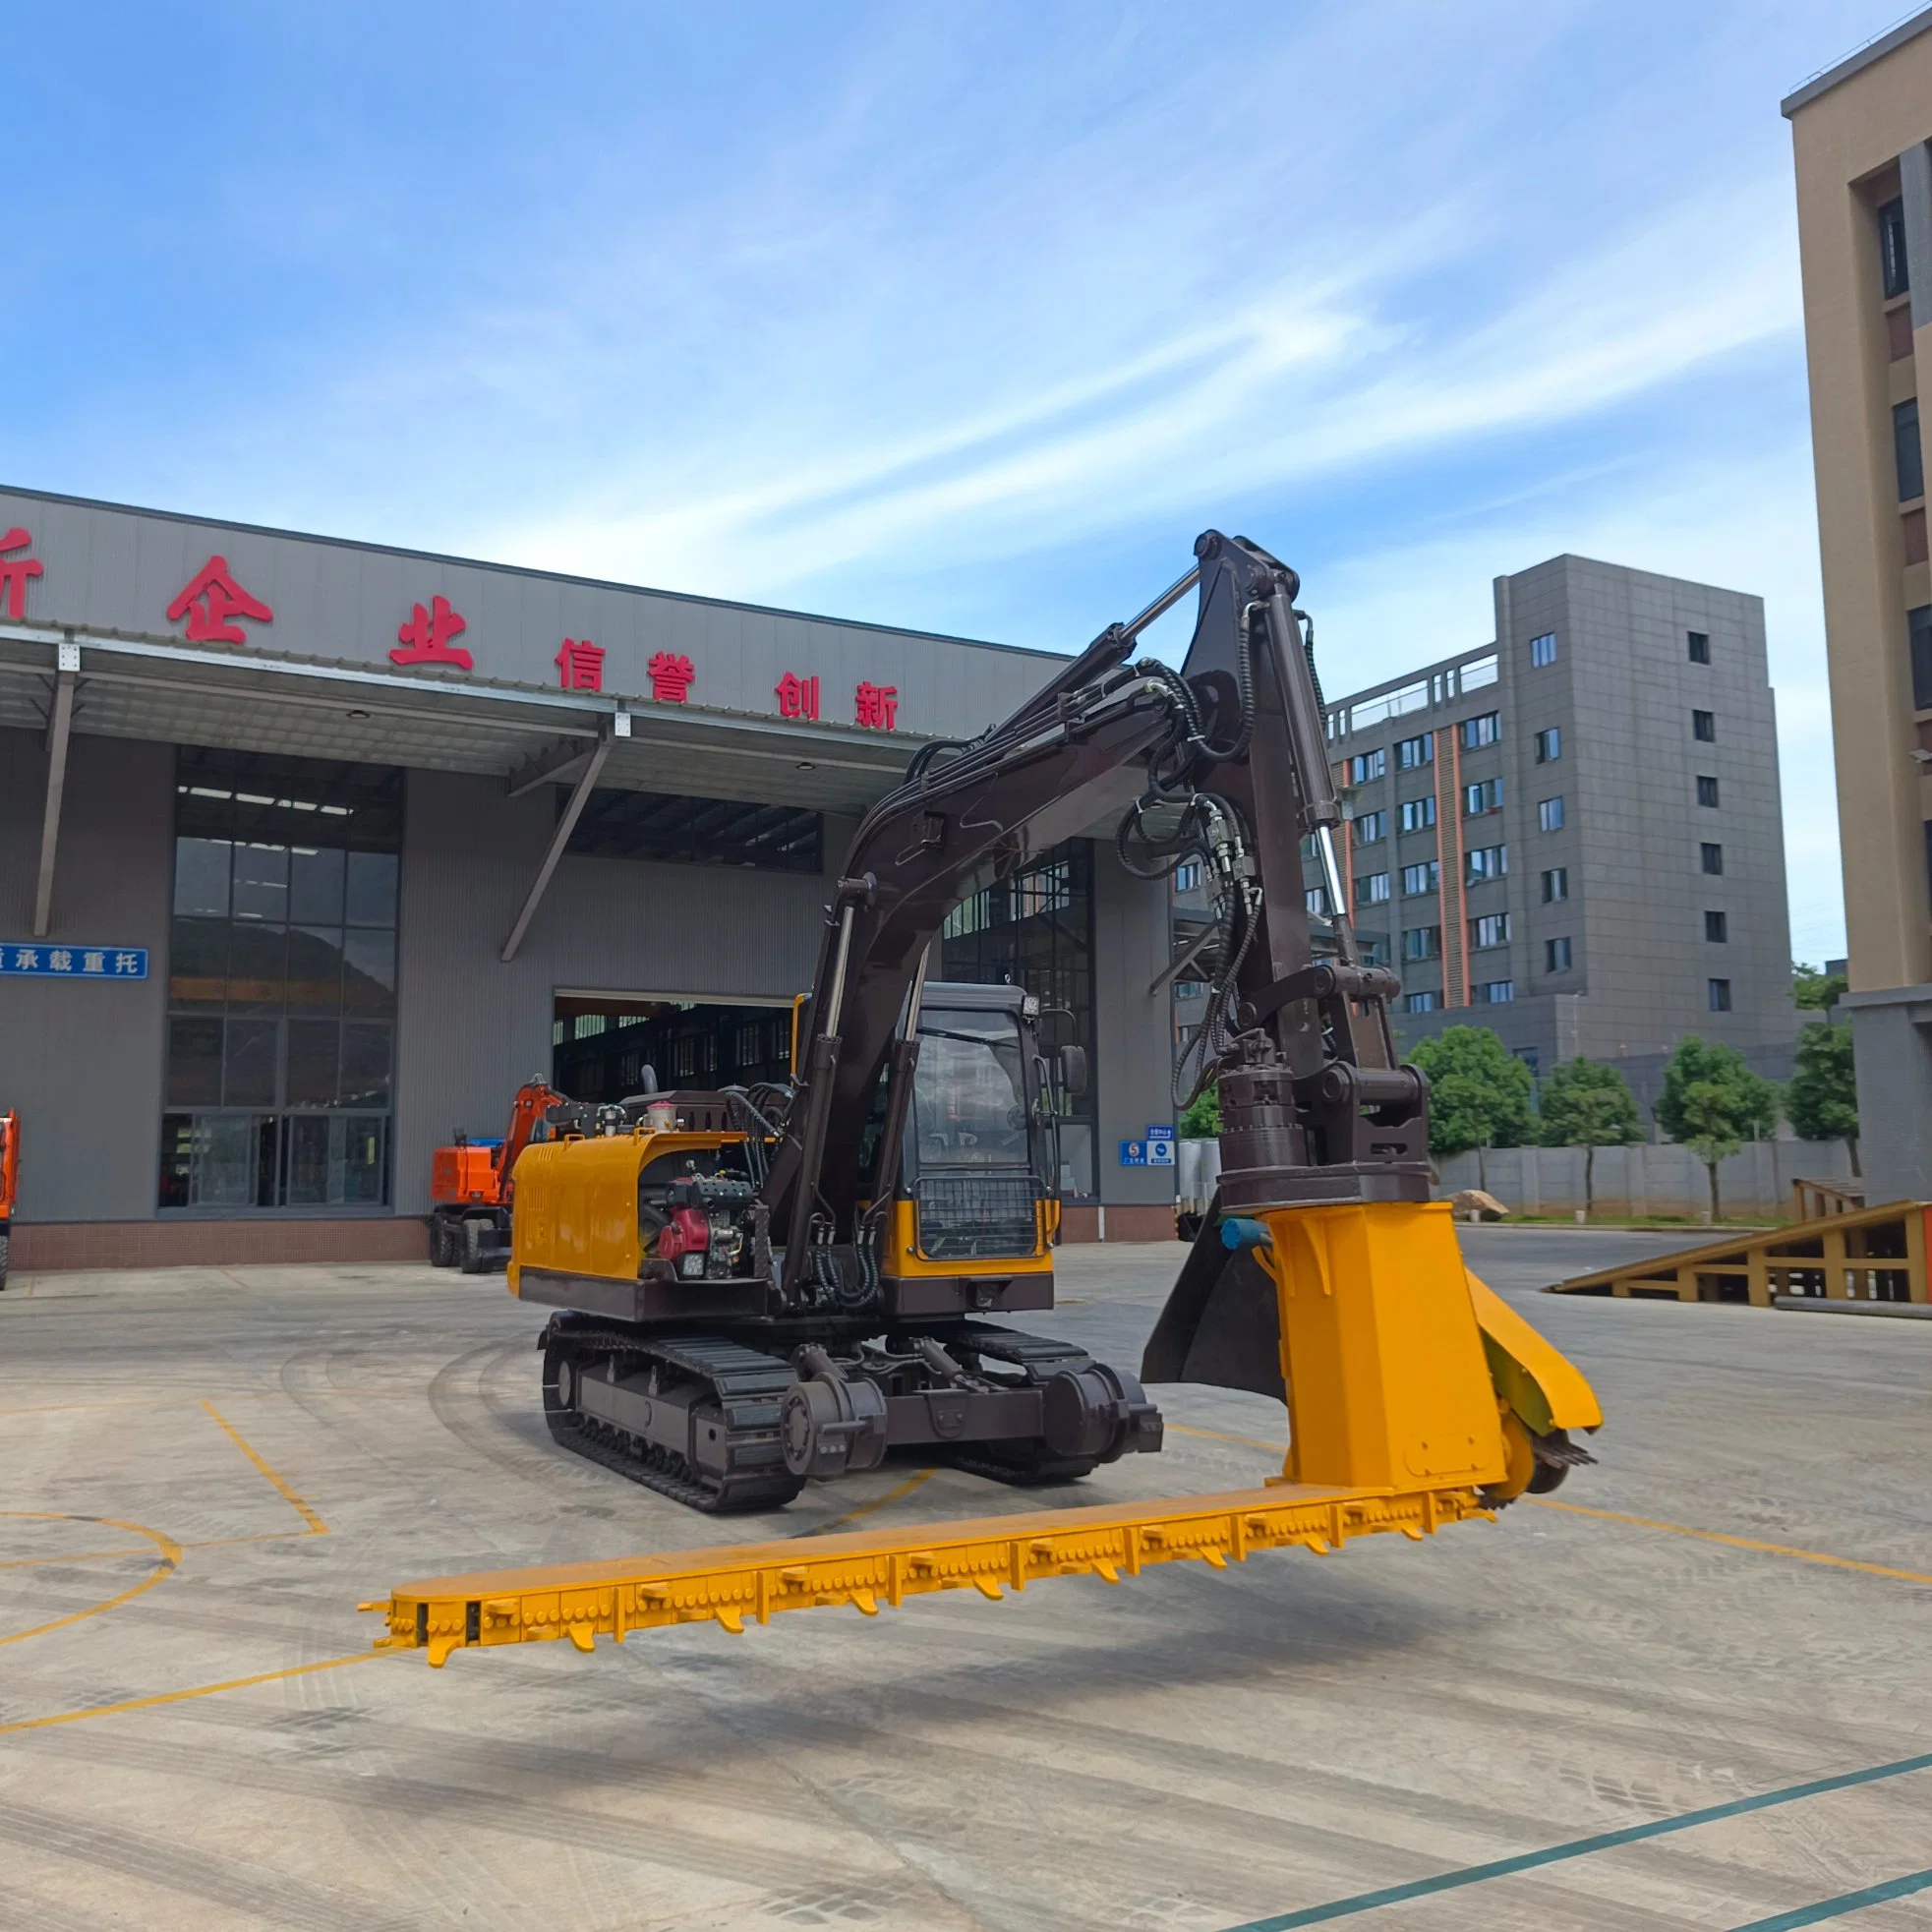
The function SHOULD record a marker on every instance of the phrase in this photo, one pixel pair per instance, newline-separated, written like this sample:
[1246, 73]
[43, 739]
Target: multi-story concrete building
[1572, 834]
[1859, 134]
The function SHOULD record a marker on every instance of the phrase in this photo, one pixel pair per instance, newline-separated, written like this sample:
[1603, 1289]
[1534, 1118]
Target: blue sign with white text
[1133, 1153]
[1158, 1133]
[34, 961]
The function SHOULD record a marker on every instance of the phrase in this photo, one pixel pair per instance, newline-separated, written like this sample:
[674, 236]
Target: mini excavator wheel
[472, 1257]
[442, 1242]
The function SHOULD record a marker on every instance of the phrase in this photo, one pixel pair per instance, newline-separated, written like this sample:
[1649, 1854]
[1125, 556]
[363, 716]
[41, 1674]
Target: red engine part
[689, 1232]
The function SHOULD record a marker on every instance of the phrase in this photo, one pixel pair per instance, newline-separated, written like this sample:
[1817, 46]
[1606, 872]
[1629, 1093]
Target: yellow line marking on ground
[1733, 1542]
[316, 1527]
[169, 1561]
[199, 1690]
[80, 1556]
[892, 1495]
[1216, 1436]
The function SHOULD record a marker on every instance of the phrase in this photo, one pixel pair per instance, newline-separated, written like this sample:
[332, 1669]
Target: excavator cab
[978, 1202]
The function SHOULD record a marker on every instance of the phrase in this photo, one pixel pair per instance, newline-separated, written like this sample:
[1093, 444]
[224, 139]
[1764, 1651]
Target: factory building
[310, 852]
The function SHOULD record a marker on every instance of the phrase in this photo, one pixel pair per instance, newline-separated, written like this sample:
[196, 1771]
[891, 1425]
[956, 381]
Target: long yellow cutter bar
[732, 1584]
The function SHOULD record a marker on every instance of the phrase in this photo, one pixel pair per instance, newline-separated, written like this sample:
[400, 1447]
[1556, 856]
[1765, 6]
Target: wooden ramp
[1863, 1256]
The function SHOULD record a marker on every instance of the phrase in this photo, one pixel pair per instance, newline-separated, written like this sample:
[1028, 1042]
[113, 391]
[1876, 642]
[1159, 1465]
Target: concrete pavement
[204, 1470]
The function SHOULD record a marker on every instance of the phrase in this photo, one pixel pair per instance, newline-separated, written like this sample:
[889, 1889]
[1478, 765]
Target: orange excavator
[472, 1182]
[8, 1180]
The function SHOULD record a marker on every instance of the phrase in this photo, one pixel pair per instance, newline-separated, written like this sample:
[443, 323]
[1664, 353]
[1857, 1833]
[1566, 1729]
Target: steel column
[60, 728]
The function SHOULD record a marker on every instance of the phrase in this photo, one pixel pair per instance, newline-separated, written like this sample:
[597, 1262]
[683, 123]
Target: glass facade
[281, 984]
[1035, 931]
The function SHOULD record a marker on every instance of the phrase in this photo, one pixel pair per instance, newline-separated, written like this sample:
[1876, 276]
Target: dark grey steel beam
[557, 764]
[561, 838]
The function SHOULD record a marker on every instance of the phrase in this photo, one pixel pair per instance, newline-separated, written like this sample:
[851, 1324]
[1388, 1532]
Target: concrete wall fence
[1754, 1184]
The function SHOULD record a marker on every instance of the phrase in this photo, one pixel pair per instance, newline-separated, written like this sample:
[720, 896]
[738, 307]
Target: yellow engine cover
[574, 1209]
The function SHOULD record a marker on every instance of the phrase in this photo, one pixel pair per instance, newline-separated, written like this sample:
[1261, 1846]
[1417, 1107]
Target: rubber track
[739, 1373]
[736, 1375]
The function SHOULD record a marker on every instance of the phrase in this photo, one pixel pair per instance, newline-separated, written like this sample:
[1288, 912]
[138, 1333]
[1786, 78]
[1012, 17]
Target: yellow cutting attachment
[748, 1583]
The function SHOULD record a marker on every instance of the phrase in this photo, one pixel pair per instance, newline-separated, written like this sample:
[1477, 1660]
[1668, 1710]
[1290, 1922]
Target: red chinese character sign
[671, 676]
[15, 573]
[797, 697]
[425, 638]
[876, 705]
[211, 600]
[580, 665]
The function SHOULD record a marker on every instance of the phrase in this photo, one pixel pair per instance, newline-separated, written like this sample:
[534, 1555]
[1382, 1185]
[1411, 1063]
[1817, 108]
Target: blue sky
[966, 317]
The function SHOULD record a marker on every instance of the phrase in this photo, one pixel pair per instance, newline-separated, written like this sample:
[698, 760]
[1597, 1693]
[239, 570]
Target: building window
[281, 984]
[1484, 796]
[1418, 814]
[1422, 943]
[1367, 765]
[1418, 879]
[1712, 858]
[1543, 650]
[1549, 746]
[1374, 948]
[1372, 828]
[1315, 898]
[1716, 927]
[1187, 878]
[1704, 727]
[1420, 1002]
[1893, 265]
[1718, 991]
[1556, 954]
[1411, 753]
[1371, 889]
[1707, 789]
[1550, 814]
[1479, 731]
[1035, 931]
[1496, 992]
[1488, 863]
[1492, 929]
[1905, 454]
[1700, 645]
[1918, 633]
[674, 830]
[1555, 884]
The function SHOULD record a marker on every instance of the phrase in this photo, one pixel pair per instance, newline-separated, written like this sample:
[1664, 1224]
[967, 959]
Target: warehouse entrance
[602, 1043]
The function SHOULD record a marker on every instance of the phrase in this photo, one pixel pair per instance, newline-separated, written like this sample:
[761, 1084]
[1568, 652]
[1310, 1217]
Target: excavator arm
[1323, 1274]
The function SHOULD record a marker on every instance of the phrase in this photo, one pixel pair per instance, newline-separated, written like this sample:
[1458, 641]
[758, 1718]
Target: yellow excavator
[755, 1288]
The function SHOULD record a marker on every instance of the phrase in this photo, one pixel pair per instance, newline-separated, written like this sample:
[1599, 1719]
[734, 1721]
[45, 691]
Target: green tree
[1813, 987]
[1713, 1103]
[1203, 1119]
[1823, 1096]
[1589, 1105]
[1479, 1093]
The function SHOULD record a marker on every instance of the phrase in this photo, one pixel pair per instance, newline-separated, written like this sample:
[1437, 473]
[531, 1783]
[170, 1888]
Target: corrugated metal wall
[1132, 943]
[471, 1029]
[82, 1064]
